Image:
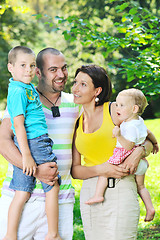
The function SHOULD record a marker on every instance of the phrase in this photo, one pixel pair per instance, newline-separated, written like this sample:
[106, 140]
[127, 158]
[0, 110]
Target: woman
[117, 217]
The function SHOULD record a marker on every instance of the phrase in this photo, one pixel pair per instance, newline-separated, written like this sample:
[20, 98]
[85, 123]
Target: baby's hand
[29, 165]
[155, 148]
[116, 132]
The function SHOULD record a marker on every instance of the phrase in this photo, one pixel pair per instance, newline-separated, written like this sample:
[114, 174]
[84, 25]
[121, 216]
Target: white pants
[33, 223]
[114, 219]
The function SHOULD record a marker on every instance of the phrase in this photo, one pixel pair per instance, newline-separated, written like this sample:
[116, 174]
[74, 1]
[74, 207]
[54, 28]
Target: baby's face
[125, 107]
[23, 70]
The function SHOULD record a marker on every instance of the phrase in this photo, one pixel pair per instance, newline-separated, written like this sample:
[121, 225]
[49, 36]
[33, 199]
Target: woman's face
[83, 89]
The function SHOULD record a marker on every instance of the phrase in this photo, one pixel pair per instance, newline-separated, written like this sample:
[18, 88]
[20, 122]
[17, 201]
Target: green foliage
[121, 36]
[136, 36]
[16, 28]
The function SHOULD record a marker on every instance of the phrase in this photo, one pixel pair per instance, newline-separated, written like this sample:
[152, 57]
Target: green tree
[135, 39]
[17, 27]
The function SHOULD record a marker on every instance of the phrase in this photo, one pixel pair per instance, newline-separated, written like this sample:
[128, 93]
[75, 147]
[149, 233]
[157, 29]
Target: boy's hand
[155, 148]
[29, 165]
[116, 132]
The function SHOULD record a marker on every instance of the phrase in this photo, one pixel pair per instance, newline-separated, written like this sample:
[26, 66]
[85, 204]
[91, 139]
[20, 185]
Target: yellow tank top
[96, 147]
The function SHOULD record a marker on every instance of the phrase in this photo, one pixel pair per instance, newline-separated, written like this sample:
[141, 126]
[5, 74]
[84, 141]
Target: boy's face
[23, 69]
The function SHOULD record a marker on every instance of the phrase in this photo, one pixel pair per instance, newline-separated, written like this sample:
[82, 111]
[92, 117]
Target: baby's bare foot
[149, 215]
[94, 200]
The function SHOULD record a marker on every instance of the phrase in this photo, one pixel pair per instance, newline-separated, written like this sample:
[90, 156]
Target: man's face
[55, 73]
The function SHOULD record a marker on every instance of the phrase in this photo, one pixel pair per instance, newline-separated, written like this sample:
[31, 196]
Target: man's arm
[46, 172]
[7, 147]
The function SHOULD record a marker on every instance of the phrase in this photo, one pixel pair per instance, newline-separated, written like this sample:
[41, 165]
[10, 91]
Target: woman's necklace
[54, 109]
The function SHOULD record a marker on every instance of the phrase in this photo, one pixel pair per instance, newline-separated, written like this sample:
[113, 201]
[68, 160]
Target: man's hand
[47, 173]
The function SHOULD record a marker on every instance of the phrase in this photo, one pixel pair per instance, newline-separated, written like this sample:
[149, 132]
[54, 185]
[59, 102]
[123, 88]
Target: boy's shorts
[41, 151]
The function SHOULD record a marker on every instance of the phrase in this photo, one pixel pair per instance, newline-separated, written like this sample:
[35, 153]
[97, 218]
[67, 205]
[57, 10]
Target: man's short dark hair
[39, 59]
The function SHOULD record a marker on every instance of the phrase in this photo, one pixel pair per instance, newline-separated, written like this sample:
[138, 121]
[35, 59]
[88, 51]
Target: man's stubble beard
[58, 89]
[51, 88]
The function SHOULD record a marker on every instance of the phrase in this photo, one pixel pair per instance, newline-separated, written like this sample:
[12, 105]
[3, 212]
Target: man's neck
[47, 97]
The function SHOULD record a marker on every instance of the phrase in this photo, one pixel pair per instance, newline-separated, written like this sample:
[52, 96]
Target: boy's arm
[128, 145]
[153, 139]
[29, 165]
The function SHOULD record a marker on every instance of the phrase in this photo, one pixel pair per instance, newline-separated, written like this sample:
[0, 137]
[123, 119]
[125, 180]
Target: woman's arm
[83, 172]
[46, 172]
[132, 161]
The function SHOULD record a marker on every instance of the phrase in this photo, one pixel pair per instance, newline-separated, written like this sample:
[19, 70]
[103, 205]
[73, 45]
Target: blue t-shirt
[23, 99]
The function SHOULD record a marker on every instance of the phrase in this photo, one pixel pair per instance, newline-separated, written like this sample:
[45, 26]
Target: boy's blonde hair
[14, 52]
[138, 96]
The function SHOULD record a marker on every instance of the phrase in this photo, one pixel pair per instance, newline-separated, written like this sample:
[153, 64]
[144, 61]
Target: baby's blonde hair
[138, 96]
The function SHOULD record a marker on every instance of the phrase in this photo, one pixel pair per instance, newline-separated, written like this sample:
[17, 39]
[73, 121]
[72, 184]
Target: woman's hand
[109, 170]
[132, 161]
[47, 173]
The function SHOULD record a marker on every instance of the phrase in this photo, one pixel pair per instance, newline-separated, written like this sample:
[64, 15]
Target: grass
[146, 230]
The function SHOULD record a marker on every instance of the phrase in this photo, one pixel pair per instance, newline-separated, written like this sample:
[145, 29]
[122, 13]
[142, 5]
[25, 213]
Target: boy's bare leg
[146, 198]
[100, 189]
[14, 214]
[52, 213]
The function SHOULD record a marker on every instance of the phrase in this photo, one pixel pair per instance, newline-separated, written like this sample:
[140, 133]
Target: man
[52, 74]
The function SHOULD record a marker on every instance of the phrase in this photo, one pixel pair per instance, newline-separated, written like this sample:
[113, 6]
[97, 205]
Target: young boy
[132, 132]
[31, 137]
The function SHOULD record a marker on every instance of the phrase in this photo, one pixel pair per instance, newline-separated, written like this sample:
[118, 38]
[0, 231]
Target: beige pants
[117, 217]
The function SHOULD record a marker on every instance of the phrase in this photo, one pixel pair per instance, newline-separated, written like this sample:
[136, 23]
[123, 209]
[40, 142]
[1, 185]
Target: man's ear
[98, 91]
[10, 67]
[135, 109]
[38, 73]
